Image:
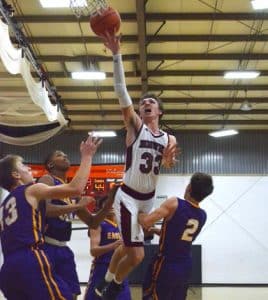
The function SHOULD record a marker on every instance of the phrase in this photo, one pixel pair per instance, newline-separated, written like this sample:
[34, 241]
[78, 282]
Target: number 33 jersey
[143, 160]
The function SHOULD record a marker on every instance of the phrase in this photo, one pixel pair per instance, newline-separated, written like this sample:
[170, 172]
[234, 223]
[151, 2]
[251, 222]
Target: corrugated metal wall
[245, 153]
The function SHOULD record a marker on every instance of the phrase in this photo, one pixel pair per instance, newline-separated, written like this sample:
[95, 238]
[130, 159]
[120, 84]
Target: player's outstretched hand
[112, 41]
[170, 154]
[90, 146]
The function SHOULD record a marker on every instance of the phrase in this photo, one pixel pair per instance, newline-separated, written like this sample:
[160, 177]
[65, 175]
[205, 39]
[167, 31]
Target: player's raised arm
[166, 210]
[41, 191]
[131, 119]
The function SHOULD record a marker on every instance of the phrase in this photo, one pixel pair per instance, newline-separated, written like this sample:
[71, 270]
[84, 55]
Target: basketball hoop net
[87, 7]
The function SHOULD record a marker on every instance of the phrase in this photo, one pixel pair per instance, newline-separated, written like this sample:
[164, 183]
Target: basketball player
[169, 273]
[59, 222]
[27, 272]
[103, 241]
[147, 148]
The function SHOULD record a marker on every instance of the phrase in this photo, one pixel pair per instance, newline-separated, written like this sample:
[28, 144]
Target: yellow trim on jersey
[111, 222]
[60, 297]
[35, 233]
[162, 236]
[193, 203]
[44, 274]
[59, 179]
[40, 226]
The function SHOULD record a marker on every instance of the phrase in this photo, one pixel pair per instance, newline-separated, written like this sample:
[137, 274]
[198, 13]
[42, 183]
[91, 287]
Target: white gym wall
[234, 240]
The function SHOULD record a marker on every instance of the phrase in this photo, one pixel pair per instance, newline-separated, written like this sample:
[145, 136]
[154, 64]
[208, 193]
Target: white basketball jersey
[144, 159]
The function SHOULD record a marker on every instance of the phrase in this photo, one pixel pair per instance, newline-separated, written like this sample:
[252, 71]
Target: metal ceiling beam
[207, 56]
[167, 101]
[176, 122]
[174, 87]
[64, 74]
[151, 17]
[152, 38]
[157, 73]
[141, 23]
[194, 73]
[158, 57]
[170, 112]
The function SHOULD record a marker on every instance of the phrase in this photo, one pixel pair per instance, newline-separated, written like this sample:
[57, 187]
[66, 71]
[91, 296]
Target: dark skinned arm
[93, 221]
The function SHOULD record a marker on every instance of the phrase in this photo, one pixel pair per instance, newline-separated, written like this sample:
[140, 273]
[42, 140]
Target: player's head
[14, 172]
[150, 105]
[200, 186]
[57, 160]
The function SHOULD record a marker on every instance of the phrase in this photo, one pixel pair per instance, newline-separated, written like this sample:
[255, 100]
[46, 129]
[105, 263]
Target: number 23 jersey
[143, 160]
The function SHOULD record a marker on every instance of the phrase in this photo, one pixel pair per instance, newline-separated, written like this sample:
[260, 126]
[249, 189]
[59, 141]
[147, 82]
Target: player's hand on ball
[112, 41]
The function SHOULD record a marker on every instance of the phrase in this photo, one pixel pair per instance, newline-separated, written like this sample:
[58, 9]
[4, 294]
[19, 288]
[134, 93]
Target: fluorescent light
[259, 4]
[223, 132]
[108, 133]
[246, 106]
[89, 75]
[62, 3]
[241, 74]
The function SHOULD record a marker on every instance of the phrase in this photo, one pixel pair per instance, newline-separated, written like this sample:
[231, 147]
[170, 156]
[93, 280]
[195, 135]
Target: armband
[119, 82]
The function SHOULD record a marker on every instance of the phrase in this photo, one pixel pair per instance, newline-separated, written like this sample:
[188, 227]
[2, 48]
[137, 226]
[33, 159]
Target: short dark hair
[201, 186]
[158, 100]
[48, 160]
[7, 166]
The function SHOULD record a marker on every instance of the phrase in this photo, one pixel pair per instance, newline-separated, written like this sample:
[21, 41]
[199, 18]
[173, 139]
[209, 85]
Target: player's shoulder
[172, 138]
[46, 179]
[172, 203]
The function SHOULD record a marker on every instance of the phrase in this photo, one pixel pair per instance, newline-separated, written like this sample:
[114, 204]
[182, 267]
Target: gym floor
[214, 293]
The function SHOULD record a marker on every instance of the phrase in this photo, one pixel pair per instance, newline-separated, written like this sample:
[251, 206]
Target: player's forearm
[80, 179]
[145, 220]
[100, 250]
[54, 210]
[120, 83]
[99, 217]
[148, 220]
[85, 216]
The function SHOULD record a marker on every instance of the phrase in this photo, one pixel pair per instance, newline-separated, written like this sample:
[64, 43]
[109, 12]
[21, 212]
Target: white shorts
[126, 211]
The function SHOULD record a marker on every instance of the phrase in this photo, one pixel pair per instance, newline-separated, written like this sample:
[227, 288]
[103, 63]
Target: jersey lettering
[152, 145]
[192, 226]
[151, 163]
[12, 211]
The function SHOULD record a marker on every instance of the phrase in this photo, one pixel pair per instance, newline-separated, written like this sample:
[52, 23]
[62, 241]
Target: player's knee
[136, 257]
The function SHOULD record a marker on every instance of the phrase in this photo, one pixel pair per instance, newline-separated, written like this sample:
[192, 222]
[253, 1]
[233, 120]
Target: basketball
[108, 20]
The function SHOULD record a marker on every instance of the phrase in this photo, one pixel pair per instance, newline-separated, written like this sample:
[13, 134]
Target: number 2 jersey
[178, 233]
[21, 224]
[143, 160]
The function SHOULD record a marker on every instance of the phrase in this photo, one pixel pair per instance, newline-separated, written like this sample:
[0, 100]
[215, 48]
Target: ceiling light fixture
[246, 106]
[241, 74]
[223, 132]
[105, 133]
[89, 75]
[259, 4]
[62, 3]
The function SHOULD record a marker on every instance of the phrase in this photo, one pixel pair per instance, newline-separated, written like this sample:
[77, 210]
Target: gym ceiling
[178, 50]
